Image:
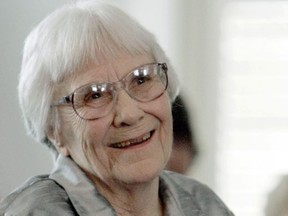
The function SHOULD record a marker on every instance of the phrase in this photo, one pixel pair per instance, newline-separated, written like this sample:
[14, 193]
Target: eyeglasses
[96, 100]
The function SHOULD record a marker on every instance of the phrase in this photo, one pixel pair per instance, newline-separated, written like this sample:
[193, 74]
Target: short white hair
[69, 40]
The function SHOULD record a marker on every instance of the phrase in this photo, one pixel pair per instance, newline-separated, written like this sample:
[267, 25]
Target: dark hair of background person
[184, 147]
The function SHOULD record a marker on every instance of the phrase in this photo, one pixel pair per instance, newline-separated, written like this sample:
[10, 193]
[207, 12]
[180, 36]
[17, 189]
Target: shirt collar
[87, 201]
[177, 201]
[85, 198]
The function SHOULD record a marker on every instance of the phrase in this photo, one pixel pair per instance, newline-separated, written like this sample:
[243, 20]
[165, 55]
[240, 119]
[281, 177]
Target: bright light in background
[253, 119]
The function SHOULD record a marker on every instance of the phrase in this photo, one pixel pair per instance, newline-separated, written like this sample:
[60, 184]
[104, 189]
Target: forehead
[109, 71]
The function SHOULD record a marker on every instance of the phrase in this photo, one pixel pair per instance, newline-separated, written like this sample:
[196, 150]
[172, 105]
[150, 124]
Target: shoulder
[39, 195]
[183, 181]
[184, 188]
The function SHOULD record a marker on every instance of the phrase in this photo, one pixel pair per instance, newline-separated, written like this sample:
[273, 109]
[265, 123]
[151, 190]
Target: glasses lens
[93, 101]
[147, 83]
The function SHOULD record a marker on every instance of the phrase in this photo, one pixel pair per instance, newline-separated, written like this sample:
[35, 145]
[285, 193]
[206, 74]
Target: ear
[55, 137]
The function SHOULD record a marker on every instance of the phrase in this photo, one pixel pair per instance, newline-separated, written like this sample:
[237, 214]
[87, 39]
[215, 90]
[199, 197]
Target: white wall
[20, 157]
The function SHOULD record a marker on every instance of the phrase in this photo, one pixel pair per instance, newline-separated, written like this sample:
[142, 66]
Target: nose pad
[127, 109]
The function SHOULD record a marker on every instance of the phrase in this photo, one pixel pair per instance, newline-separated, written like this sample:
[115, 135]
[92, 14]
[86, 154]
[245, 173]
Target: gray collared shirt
[67, 191]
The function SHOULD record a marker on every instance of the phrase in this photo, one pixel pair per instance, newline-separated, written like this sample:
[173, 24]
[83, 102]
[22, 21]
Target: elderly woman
[94, 88]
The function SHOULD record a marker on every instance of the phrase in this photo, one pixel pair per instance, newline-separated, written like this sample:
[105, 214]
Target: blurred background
[232, 59]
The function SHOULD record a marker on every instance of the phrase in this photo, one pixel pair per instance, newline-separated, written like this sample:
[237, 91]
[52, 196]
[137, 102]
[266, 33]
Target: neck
[127, 200]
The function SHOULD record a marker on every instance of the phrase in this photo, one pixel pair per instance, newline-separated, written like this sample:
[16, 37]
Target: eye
[92, 96]
[141, 80]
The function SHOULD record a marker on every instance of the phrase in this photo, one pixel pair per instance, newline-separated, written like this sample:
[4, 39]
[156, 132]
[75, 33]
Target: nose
[127, 110]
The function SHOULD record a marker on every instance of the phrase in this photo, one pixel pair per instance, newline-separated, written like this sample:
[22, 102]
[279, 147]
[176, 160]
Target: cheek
[164, 115]
[167, 138]
[84, 141]
[85, 146]
[93, 145]
[162, 109]
[95, 132]
[73, 129]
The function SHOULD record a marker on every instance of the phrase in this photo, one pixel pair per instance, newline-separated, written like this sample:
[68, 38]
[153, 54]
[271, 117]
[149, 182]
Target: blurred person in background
[184, 149]
[97, 89]
[277, 202]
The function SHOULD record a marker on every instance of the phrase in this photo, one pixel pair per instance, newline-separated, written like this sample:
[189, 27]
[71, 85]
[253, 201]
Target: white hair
[68, 41]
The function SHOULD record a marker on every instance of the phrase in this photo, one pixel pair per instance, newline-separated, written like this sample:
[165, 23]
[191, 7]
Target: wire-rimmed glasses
[96, 100]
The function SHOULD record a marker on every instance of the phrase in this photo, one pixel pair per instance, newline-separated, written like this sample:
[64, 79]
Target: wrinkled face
[129, 145]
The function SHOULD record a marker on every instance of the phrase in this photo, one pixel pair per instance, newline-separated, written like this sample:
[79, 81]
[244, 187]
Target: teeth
[147, 136]
[131, 142]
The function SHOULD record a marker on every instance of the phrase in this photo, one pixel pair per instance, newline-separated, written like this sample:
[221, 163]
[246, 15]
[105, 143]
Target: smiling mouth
[132, 142]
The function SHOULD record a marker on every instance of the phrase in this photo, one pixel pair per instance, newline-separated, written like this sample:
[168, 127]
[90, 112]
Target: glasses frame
[68, 100]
